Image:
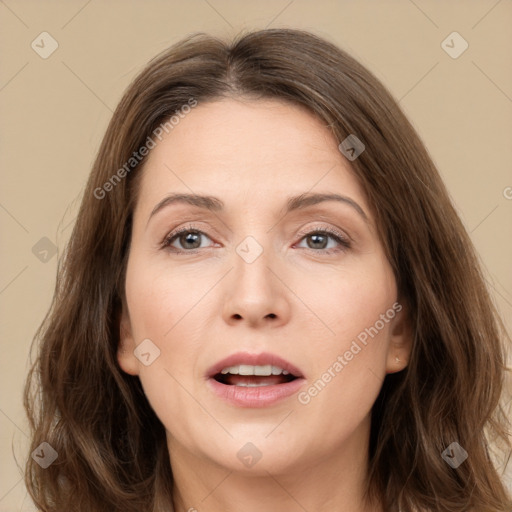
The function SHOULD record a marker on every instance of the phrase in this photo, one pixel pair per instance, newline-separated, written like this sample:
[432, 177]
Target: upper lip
[260, 359]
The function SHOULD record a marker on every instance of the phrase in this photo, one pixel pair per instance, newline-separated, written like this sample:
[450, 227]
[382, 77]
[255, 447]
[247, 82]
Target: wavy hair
[112, 454]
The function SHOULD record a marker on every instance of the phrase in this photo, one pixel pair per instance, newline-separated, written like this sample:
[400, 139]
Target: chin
[257, 454]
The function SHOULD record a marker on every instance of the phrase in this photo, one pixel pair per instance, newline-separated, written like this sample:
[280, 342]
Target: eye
[188, 237]
[318, 240]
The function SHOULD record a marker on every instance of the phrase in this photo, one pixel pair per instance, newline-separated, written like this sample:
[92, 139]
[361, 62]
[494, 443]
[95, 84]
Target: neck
[334, 482]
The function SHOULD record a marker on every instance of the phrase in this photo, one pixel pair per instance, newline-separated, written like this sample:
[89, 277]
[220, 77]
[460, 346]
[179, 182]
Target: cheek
[160, 299]
[350, 357]
[167, 308]
[360, 322]
[348, 302]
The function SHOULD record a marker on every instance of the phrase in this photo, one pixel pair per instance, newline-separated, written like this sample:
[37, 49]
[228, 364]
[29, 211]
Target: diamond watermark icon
[44, 455]
[249, 455]
[454, 45]
[351, 147]
[454, 455]
[44, 250]
[146, 352]
[249, 249]
[44, 45]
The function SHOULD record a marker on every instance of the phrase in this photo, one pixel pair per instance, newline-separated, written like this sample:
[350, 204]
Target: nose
[256, 294]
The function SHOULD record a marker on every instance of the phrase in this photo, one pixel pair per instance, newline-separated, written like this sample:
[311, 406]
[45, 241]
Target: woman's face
[266, 277]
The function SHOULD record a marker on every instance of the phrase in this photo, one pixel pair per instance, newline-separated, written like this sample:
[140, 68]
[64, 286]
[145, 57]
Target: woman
[326, 342]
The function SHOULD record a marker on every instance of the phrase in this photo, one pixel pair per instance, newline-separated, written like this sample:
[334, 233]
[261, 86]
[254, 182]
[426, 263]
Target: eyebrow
[294, 203]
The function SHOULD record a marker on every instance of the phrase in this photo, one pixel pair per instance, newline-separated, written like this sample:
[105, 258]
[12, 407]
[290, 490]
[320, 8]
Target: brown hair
[111, 446]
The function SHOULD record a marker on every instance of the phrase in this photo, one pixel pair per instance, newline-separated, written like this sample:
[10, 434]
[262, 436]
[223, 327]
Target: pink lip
[261, 396]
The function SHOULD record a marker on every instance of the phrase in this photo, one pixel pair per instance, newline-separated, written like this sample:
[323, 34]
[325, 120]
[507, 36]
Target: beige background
[54, 112]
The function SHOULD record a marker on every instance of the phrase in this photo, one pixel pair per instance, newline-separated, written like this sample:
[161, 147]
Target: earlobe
[400, 344]
[125, 355]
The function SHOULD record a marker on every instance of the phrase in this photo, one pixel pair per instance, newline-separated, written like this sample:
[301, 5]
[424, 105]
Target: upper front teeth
[247, 369]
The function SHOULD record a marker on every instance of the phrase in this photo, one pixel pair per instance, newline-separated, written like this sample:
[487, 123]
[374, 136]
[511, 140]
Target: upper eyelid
[302, 232]
[326, 229]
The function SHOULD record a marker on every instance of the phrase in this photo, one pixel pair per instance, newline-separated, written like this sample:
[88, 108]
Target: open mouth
[253, 376]
[254, 380]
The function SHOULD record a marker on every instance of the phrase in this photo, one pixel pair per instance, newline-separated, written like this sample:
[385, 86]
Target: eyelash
[341, 239]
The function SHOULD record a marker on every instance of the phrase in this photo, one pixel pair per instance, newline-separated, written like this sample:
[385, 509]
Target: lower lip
[260, 396]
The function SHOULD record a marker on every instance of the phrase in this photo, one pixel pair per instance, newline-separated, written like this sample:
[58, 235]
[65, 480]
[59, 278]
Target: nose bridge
[252, 261]
[255, 250]
[255, 294]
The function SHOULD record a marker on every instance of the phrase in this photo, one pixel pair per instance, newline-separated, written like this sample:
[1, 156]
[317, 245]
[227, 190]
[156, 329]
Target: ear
[125, 349]
[401, 337]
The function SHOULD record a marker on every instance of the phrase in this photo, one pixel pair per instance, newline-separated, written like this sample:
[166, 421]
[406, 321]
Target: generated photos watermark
[454, 455]
[45, 455]
[351, 147]
[150, 143]
[343, 360]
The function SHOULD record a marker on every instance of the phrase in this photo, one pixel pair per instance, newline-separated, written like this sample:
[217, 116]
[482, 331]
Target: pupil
[315, 238]
[190, 238]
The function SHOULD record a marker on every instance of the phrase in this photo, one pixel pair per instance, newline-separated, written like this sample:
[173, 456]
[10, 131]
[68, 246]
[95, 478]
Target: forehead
[248, 148]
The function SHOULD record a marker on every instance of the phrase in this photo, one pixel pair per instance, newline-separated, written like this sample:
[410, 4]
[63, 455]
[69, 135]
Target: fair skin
[303, 298]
